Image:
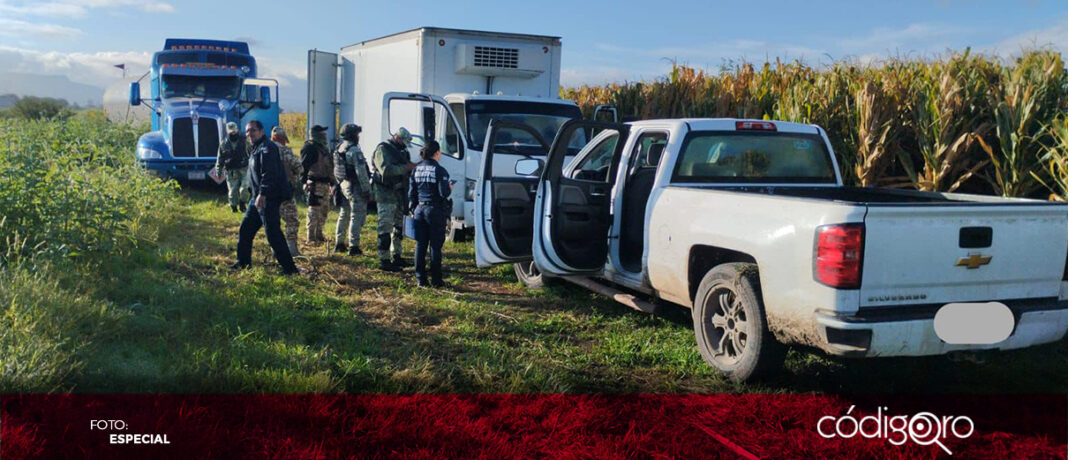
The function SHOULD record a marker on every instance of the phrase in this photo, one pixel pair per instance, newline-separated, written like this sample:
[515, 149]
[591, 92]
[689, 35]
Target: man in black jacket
[270, 187]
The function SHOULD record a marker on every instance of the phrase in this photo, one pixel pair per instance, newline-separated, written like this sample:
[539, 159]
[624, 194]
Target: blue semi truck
[197, 86]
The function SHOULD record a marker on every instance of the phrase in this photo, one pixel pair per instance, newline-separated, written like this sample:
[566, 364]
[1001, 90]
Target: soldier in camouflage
[288, 209]
[233, 160]
[354, 178]
[317, 179]
[392, 165]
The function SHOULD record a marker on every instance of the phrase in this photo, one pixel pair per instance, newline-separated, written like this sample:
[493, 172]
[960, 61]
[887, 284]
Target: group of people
[265, 174]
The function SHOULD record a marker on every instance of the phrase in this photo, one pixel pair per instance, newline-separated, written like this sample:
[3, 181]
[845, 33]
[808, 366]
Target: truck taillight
[754, 126]
[840, 255]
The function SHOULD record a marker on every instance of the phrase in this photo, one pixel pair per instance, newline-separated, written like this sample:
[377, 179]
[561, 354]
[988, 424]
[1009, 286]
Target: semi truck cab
[196, 87]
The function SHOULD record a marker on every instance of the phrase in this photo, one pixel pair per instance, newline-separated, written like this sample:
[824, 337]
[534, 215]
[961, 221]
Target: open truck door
[427, 116]
[574, 196]
[505, 193]
[322, 93]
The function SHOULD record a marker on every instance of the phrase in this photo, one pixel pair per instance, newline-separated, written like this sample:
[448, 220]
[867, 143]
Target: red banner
[533, 426]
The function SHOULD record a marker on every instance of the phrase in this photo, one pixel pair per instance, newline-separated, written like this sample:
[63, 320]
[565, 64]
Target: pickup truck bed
[875, 196]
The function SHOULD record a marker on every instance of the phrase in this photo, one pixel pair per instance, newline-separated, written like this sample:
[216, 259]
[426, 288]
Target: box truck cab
[443, 84]
[196, 86]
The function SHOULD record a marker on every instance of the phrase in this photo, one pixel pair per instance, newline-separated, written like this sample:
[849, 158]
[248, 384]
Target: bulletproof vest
[393, 155]
[235, 153]
[286, 154]
[342, 169]
[323, 167]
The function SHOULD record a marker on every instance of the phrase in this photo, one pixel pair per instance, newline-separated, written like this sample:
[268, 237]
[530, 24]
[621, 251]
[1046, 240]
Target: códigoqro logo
[923, 428]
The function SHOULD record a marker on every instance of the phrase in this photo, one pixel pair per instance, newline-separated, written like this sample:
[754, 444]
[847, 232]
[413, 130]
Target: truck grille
[208, 131]
[182, 137]
[502, 58]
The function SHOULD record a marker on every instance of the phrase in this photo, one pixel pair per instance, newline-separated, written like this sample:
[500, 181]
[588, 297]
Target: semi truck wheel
[531, 277]
[731, 327]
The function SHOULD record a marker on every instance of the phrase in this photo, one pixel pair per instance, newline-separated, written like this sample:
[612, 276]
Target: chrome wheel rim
[728, 334]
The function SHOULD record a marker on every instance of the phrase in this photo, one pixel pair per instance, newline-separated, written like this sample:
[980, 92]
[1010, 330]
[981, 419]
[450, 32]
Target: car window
[648, 142]
[596, 165]
[717, 156]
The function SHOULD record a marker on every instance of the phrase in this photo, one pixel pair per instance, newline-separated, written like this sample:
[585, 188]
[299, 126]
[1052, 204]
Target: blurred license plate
[197, 175]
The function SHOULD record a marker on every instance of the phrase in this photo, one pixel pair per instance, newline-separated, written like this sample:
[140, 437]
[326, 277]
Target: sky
[603, 41]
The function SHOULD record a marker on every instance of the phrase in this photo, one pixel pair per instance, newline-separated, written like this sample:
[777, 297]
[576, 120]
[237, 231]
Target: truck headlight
[146, 153]
[469, 190]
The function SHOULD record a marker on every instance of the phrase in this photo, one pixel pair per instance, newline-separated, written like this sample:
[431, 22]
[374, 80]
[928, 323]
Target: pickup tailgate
[962, 252]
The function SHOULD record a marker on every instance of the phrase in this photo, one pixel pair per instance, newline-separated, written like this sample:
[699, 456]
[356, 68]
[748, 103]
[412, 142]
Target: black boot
[388, 266]
[242, 206]
[421, 282]
[239, 266]
[233, 208]
[400, 262]
[355, 251]
[340, 247]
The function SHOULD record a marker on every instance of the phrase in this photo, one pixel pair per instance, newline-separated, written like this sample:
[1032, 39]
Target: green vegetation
[112, 281]
[963, 122]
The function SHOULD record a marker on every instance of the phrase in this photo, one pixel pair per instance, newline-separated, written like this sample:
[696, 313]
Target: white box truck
[443, 84]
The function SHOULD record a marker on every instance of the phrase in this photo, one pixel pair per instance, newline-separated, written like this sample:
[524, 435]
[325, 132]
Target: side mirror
[135, 93]
[265, 97]
[528, 167]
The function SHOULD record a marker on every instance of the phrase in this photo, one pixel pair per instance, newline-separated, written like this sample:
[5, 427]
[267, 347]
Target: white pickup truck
[747, 222]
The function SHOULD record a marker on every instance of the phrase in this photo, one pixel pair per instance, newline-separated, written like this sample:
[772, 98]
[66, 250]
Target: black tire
[731, 327]
[531, 277]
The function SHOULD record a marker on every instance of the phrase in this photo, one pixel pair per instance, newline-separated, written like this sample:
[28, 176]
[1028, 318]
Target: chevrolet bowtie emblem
[973, 261]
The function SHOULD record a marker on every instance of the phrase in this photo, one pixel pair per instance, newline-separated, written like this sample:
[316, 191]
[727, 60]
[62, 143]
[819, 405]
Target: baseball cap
[318, 128]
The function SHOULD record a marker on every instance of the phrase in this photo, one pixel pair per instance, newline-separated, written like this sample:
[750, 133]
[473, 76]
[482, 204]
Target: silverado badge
[973, 261]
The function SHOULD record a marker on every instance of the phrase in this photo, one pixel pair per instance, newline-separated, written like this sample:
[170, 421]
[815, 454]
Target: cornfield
[963, 122]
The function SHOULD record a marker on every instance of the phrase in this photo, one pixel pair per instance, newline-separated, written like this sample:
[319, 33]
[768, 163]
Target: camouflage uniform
[233, 159]
[351, 171]
[288, 209]
[318, 174]
[390, 188]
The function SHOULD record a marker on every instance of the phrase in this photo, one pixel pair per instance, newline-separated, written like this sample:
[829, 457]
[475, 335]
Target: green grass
[169, 317]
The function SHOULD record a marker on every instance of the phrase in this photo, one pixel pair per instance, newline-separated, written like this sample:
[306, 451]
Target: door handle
[596, 193]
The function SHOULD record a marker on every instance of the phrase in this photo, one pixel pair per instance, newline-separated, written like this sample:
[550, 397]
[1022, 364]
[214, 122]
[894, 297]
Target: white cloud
[1055, 37]
[54, 9]
[77, 8]
[95, 69]
[150, 7]
[21, 29]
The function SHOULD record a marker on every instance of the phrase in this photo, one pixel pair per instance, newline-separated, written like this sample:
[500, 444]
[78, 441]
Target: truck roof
[407, 34]
[730, 124]
[463, 97]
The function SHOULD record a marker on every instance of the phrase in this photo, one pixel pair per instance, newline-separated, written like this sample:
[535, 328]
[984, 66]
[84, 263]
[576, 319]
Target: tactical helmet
[350, 130]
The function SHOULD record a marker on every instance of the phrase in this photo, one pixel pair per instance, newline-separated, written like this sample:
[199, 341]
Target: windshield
[546, 118]
[754, 157]
[201, 87]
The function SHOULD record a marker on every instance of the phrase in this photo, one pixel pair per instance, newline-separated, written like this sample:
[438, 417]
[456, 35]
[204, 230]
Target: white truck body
[918, 252]
[425, 80]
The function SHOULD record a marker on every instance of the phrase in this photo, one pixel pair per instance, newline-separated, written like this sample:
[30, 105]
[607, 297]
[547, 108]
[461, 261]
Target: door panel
[504, 199]
[423, 114]
[573, 205]
[322, 91]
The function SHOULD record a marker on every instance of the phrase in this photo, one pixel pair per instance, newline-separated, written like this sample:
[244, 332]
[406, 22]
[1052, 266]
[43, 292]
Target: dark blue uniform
[267, 177]
[428, 191]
